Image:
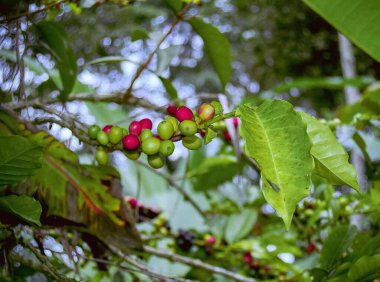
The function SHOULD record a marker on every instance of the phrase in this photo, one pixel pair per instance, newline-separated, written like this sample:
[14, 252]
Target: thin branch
[139, 71]
[198, 263]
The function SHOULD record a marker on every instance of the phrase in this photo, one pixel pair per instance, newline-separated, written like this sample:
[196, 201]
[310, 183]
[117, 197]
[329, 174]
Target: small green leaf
[275, 136]
[23, 207]
[210, 135]
[335, 244]
[139, 34]
[167, 83]
[20, 158]
[331, 160]
[174, 5]
[217, 48]
[218, 107]
[239, 225]
[365, 269]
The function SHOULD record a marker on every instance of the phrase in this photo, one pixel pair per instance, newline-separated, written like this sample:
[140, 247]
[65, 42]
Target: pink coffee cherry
[247, 257]
[146, 123]
[135, 128]
[236, 122]
[184, 113]
[131, 142]
[210, 240]
[133, 202]
[172, 110]
[107, 128]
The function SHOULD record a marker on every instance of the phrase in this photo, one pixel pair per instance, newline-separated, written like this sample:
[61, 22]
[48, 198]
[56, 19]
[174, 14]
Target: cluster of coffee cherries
[182, 125]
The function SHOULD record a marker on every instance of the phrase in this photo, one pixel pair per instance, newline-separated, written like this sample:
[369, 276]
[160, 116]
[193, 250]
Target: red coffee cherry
[310, 248]
[132, 202]
[172, 110]
[107, 128]
[227, 136]
[146, 123]
[135, 128]
[131, 142]
[236, 122]
[184, 113]
[206, 112]
[247, 257]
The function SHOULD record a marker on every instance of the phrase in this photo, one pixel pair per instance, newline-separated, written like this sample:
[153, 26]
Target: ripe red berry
[184, 113]
[107, 128]
[310, 248]
[146, 123]
[172, 110]
[247, 257]
[227, 136]
[135, 128]
[236, 122]
[210, 240]
[131, 142]
[132, 202]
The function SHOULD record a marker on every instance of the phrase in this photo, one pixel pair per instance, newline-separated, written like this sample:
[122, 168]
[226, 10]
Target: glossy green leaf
[275, 136]
[20, 158]
[174, 5]
[54, 36]
[239, 225]
[357, 19]
[367, 268]
[331, 160]
[170, 89]
[23, 207]
[335, 244]
[139, 34]
[217, 48]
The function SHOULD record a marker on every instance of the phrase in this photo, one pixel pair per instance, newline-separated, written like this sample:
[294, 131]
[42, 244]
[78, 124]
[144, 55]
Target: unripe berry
[192, 142]
[131, 142]
[146, 123]
[102, 138]
[107, 128]
[206, 112]
[166, 148]
[135, 128]
[173, 121]
[227, 136]
[184, 113]
[93, 131]
[101, 157]
[210, 240]
[188, 128]
[165, 130]
[172, 110]
[132, 155]
[125, 131]
[156, 161]
[115, 135]
[151, 146]
[145, 134]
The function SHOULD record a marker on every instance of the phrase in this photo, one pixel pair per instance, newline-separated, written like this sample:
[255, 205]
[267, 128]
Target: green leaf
[23, 206]
[210, 135]
[139, 34]
[218, 107]
[217, 48]
[335, 244]
[54, 36]
[275, 136]
[356, 19]
[20, 158]
[212, 172]
[167, 83]
[331, 160]
[174, 5]
[365, 269]
[239, 225]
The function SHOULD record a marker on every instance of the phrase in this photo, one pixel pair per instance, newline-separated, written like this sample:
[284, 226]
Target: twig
[20, 62]
[198, 263]
[139, 71]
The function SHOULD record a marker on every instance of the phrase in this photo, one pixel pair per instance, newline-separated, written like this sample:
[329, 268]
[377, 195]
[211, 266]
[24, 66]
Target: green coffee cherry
[125, 131]
[151, 146]
[188, 128]
[145, 134]
[115, 135]
[93, 131]
[102, 138]
[173, 121]
[166, 148]
[165, 130]
[102, 157]
[192, 142]
[156, 161]
[132, 155]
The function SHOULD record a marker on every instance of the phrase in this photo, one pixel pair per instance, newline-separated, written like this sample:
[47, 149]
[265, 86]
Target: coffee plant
[136, 145]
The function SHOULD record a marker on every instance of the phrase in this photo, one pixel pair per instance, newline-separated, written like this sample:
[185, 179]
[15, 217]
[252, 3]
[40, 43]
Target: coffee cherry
[115, 135]
[93, 131]
[227, 136]
[172, 110]
[247, 257]
[132, 202]
[135, 128]
[166, 148]
[101, 157]
[210, 240]
[102, 138]
[145, 134]
[151, 146]
[131, 142]
[125, 131]
[188, 127]
[184, 113]
[310, 248]
[132, 155]
[107, 128]
[165, 130]
[156, 161]
[206, 112]
[146, 123]
[236, 122]
[173, 121]
[192, 142]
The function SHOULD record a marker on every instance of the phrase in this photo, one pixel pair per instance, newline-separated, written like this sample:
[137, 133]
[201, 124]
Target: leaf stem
[221, 117]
